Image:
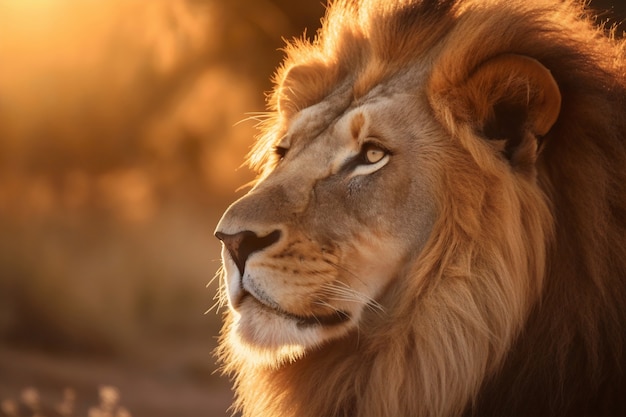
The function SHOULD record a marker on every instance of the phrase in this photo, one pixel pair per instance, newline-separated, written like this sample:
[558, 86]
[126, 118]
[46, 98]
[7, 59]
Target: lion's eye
[371, 158]
[372, 153]
[280, 151]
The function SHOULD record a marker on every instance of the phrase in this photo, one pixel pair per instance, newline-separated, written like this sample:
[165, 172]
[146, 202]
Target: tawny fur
[517, 304]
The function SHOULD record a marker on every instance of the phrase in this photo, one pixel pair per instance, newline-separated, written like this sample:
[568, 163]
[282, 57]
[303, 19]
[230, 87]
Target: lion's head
[405, 228]
[351, 200]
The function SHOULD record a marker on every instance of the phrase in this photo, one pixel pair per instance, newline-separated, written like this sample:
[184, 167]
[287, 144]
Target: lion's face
[313, 246]
[359, 183]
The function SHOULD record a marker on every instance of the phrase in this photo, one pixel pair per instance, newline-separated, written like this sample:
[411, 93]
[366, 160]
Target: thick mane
[518, 304]
[581, 317]
[360, 44]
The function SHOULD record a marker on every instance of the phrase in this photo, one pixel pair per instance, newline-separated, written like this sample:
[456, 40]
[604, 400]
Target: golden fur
[511, 298]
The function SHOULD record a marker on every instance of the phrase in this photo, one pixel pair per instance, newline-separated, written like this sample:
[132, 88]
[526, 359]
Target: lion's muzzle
[243, 244]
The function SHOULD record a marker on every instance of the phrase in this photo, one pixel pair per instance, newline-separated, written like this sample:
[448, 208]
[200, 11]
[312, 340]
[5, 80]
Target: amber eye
[371, 158]
[372, 153]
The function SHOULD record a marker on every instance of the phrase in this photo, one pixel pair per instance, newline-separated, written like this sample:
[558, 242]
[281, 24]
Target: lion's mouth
[333, 319]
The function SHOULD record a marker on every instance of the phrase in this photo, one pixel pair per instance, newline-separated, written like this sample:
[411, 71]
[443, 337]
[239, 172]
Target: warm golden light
[120, 147]
[118, 151]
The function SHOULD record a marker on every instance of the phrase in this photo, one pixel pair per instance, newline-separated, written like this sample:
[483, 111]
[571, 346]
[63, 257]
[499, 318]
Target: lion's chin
[272, 337]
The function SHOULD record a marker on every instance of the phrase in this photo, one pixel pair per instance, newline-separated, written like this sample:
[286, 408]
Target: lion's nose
[243, 244]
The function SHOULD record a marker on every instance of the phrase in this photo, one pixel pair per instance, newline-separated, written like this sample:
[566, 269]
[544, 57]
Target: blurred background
[120, 147]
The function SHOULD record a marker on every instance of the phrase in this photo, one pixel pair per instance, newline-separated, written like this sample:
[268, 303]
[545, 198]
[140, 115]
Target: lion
[438, 227]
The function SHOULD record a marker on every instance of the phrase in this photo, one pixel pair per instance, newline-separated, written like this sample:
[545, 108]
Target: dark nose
[243, 244]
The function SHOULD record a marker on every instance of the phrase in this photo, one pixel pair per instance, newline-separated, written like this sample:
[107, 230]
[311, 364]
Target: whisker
[220, 295]
[371, 304]
[326, 304]
[357, 324]
[351, 291]
[340, 291]
[216, 306]
[259, 117]
[346, 270]
[218, 274]
[330, 306]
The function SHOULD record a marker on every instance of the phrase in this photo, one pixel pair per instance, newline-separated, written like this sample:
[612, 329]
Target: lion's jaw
[324, 233]
[276, 321]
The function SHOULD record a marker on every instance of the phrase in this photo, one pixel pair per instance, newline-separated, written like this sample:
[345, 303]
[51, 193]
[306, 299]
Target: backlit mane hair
[531, 265]
[359, 45]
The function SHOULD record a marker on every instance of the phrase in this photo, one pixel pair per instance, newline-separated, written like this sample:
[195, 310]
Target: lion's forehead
[330, 132]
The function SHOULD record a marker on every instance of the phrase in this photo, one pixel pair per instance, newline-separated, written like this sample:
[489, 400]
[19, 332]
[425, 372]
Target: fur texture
[514, 303]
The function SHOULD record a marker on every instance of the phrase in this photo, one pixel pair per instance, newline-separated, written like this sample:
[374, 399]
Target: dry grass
[30, 404]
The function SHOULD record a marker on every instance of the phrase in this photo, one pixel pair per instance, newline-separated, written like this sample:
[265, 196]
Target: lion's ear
[513, 101]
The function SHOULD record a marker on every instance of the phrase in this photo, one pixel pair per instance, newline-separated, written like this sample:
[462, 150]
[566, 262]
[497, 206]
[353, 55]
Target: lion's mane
[518, 304]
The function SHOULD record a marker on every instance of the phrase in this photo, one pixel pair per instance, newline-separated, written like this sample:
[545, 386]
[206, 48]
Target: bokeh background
[122, 133]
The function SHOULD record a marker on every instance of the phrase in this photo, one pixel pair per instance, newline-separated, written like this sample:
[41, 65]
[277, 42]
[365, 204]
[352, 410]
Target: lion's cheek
[375, 262]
